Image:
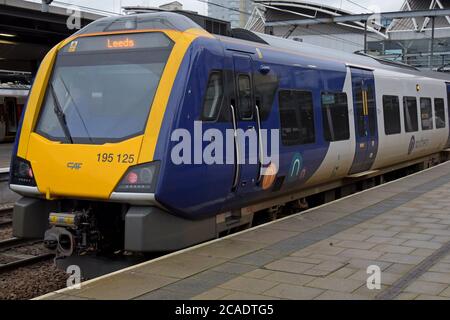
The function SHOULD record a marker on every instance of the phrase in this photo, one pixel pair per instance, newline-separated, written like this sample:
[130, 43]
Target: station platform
[5, 155]
[403, 227]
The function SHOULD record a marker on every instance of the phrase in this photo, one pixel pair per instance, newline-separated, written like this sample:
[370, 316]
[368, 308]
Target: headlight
[22, 173]
[140, 179]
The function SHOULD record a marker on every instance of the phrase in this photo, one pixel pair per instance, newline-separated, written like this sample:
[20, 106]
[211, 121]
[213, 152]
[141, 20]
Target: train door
[10, 105]
[365, 114]
[448, 108]
[246, 125]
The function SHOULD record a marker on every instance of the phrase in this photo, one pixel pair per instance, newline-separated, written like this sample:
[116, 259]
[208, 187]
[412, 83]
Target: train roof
[359, 60]
[140, 21]
[351, 59]
[177, 21]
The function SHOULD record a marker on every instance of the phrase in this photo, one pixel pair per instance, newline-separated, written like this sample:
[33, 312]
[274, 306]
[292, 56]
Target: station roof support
[363, 17]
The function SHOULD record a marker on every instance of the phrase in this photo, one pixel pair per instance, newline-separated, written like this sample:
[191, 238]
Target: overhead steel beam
[34, 31]
[32, 15]
[47, 17]
[363, 17]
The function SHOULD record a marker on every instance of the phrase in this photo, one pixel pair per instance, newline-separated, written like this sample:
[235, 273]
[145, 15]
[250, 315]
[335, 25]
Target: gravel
[6, 259]
[4, 217]
[6, 206]
[5, 230]
[5, 233]
[33, 250]
[30, 282]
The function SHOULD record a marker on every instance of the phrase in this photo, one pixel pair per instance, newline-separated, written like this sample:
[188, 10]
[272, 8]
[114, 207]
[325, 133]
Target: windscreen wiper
[60, 114]
[76, 108]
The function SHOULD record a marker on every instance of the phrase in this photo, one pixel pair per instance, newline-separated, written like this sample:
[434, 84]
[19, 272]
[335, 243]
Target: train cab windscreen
[102, 88]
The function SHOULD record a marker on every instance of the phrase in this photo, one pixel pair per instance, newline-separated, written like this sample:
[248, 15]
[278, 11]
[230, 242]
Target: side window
[439, 113]
[411, 117]
[266, 86]
[335, 116]
[296, 117]
[391, 110]
[426, 113]
[245, 106]
[213, 97]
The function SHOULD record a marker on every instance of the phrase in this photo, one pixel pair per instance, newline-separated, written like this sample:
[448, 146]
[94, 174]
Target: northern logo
[296, 168]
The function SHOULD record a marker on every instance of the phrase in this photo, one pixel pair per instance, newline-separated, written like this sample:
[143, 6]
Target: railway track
[12, 243]
[13, 254]
[6, 217]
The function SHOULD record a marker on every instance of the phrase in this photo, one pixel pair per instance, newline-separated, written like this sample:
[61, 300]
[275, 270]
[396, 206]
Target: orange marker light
[118, 44]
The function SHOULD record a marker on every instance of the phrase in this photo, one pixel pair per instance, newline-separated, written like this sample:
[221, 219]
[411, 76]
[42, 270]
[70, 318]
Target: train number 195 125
[117, 158]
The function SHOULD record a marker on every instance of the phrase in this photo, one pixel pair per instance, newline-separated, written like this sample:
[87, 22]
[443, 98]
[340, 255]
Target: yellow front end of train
[95, 110]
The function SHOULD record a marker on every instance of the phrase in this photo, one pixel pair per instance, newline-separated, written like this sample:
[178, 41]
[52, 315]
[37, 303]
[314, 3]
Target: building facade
[409, 39]
[172, 6]
[406, 40]
[348, 37]
[236, 12]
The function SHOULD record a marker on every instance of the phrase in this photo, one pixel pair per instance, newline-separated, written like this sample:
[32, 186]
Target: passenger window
[335, 116]
[296, 117]
[426, 113]
[439, 113]
[245, 106]
[213, 97]
[391, 110]
[411, 116]
[266, 86]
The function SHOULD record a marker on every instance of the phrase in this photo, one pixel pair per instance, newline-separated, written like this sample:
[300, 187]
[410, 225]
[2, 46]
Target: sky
[198, 6]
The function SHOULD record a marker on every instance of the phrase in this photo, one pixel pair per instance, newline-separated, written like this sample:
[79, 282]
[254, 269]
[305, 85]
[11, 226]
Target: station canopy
[27, 33]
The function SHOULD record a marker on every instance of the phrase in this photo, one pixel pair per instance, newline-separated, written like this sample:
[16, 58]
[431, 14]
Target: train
[146, 133]
[14, 90]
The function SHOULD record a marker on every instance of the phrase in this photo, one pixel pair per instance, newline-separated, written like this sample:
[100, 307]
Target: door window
[213, 97]
[245, 106]
[371, 110]
[360, 112]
